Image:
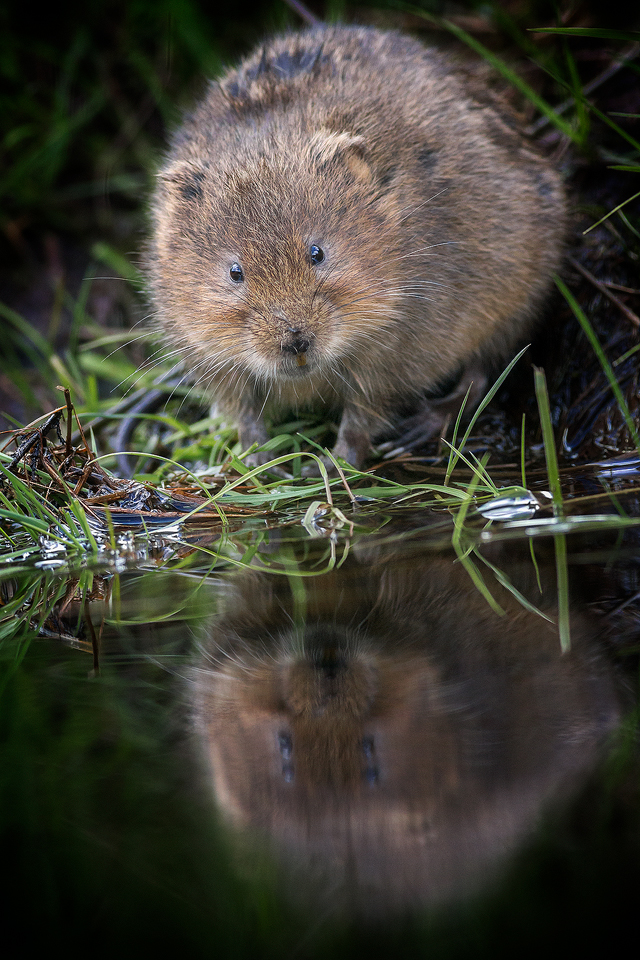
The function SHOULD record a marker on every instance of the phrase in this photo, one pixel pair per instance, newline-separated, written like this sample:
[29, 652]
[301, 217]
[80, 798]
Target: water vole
[343, 221]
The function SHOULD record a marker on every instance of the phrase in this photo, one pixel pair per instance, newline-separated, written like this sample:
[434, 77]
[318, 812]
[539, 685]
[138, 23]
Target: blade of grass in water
[604, 362]
[523, 473]
[503, 579]
[560, 541]
[476, 468]
[463, 554]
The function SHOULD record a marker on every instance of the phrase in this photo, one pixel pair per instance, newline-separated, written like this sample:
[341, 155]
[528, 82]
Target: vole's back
[344, 220]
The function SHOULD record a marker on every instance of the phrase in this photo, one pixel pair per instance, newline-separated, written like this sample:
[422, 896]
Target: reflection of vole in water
[405, 737]
[345, 221]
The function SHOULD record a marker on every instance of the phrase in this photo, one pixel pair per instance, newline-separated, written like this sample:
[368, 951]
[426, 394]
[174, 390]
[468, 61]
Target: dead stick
[303, 13]
[67, 397]
[629, 314]
[629, 54]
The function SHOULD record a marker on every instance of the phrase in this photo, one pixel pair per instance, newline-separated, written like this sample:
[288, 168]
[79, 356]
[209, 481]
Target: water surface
[341, 742]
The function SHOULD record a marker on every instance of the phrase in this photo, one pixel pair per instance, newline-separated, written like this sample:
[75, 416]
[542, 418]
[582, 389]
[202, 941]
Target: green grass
[560, 540]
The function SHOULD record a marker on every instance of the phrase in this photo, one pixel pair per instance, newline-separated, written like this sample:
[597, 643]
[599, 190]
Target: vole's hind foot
[258, 458]
[433, 416]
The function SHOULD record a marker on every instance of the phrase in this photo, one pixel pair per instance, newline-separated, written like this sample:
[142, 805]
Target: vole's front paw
[432, 416]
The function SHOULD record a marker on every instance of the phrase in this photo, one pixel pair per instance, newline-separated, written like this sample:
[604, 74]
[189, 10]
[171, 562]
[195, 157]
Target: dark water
[341, 749]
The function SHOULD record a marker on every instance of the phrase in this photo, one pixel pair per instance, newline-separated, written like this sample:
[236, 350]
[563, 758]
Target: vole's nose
[295, 342]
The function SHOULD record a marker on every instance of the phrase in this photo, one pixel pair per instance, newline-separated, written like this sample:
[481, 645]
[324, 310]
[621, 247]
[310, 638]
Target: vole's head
[276, 260]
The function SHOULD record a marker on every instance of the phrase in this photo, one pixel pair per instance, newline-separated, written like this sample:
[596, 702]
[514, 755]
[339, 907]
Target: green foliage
[85, 97]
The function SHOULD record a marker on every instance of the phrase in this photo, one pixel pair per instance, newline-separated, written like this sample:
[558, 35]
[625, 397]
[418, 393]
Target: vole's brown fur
[438, 225]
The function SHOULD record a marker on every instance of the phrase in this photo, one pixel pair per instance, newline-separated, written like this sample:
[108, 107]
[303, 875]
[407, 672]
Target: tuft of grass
[455, 450]
[607, 368]
[501, 66]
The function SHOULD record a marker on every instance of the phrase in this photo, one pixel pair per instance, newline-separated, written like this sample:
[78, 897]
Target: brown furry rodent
[345, 221]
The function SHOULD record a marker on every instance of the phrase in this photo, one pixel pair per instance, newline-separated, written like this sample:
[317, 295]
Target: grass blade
[604, 362]
[510, 75]
[560, 541]
[486, 400]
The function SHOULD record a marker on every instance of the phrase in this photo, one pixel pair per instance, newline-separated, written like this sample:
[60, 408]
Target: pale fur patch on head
[326, 144]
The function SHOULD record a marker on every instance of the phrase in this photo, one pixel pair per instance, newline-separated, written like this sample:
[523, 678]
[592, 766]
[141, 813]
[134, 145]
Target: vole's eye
[235, 272]
[316, 253]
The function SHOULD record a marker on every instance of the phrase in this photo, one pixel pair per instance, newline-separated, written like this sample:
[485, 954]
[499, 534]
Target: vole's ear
[327, 145]
[185, 176]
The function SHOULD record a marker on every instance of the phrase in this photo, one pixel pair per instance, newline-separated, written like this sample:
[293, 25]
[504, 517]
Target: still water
[341, 748]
